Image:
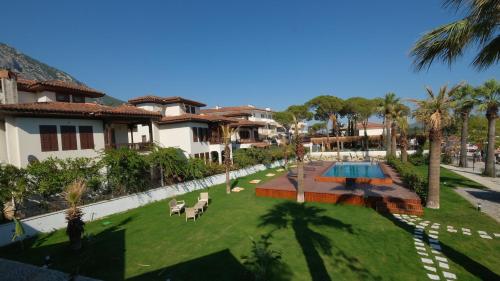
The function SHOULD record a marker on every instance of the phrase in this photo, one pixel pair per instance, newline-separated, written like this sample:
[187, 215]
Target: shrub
[410, 177]
[52, 175]
[172, 161]
[127, 171]
[418, 158]
[195, 169]
[244, 157]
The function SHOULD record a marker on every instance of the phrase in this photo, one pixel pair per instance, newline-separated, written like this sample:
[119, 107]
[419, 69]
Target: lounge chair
[203, 197]
[176, 206]
[191, 213]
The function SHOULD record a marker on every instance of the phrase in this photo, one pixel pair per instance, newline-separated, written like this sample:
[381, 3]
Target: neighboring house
[183, 125]
[41, 119]
[372, 129]
[270, 129]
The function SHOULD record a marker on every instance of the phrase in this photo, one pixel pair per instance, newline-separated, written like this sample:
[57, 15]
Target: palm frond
[489, 54]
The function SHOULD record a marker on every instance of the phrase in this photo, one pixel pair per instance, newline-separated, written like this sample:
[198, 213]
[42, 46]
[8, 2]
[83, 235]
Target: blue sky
[266, 53]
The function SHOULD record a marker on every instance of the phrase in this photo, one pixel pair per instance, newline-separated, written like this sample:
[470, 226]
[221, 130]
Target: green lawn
[317, 241]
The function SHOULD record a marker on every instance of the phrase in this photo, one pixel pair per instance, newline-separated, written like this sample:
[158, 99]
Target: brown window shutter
[68, 137]
[86, 137]
[48, 138]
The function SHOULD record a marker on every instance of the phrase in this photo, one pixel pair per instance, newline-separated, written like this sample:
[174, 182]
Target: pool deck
[393, 198]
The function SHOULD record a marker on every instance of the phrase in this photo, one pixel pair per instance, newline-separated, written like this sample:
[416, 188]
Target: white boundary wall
[53, 221]
[371, 153]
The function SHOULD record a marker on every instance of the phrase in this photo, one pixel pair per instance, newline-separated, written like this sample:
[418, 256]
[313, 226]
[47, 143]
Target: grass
[317, 241]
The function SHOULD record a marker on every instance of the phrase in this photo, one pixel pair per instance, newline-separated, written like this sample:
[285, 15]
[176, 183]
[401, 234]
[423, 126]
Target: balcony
[139, 146]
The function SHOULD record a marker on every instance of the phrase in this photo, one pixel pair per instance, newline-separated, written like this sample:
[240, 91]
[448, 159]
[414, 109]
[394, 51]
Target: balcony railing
[139, 146]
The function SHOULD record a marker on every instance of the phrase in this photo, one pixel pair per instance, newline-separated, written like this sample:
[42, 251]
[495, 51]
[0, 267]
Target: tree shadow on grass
[472, 266]
[102, 255]
[301, 217]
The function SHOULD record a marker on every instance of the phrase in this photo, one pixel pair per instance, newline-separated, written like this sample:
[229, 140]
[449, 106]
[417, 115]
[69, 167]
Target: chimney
[8, 87]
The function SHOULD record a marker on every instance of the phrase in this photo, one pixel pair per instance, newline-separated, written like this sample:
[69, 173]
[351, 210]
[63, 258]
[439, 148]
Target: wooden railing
[139, 146]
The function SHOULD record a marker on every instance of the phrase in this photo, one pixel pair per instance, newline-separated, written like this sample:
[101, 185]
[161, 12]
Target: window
[68, 137]
[207, 157]
[62, 97]
[48, 138]
[195, 134]
[78, 99]
[244, 134]
[262, 115]
[86, 137]
[193, 110]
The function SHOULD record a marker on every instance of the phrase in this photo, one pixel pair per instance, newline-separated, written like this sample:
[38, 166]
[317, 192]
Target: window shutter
[68, 137]
[86, 137]
[195, 134]
[48, 138]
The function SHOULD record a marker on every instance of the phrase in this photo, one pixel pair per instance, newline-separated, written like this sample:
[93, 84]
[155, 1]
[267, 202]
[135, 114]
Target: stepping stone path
[270, 175]
[280, 170]
[254, 181]
[434, 262]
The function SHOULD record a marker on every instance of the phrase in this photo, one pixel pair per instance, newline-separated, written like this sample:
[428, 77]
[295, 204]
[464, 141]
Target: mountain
[30, 68]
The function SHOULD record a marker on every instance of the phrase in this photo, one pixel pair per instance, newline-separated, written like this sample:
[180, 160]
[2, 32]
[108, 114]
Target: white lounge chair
[176, 206]
[191, 213]
[203, 197]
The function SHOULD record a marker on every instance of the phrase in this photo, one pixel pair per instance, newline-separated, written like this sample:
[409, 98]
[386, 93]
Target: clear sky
[267, 53]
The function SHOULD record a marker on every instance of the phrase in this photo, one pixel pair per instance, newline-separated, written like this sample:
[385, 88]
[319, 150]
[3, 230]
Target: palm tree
[435, 112]
[74, 229]
[463, 101]
[400, 120]
[389, 102]
[227, 132]
[479, 28]
[299, 113]
[489, 95]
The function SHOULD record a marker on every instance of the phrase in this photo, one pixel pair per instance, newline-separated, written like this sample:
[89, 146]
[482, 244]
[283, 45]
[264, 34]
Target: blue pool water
[355, 170]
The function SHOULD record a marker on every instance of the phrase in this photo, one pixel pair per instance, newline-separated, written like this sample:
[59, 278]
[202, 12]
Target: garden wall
[371, 153]
[52, 221]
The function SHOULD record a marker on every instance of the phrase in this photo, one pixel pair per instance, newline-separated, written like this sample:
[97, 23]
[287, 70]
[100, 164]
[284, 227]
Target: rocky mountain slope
[30, 68]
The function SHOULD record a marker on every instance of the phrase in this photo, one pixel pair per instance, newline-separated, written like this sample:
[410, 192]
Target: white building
[372, 129]
[270, 129]
[41, 119]
[183, 125]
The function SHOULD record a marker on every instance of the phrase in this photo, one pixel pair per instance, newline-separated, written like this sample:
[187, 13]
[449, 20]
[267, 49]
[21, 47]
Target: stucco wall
[27, 97]
[52, 221]
[24, 139]
[3, 143]
[370, 132]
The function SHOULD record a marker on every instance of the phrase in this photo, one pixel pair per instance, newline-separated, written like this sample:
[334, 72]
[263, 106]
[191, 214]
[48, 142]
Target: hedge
[411, 178]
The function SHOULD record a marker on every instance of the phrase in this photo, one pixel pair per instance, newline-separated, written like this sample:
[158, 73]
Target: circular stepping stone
[423, 253]
[433, 276]
[420, 248]
[467, 233]
[465, 229]
[433, 232]
[496, 235]
[435, 226]
[482, 232]
[485, 236]
[419, 244]
[433, 236]
[436, 252]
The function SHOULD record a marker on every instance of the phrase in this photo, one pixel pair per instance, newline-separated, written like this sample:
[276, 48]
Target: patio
[393, 198]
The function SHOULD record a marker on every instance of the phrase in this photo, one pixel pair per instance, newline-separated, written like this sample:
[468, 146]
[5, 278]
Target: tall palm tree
[489, 95]
[435, 111]
[227, 131]
[463, 101]
[389, 102]
[479, 28]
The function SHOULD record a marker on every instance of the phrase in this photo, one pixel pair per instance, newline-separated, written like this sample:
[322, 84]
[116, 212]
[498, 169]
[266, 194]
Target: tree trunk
[393, 139]
[404, 147]
[387, 136]
[434, 169]
[300, 181]
[227, 163]
[463, 139]
[489, 169]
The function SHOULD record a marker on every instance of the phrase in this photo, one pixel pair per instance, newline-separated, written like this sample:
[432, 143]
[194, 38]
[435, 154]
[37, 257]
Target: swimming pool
[355, 172]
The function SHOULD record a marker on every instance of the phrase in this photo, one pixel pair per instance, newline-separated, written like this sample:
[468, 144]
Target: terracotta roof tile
[233, 109]
[78, 109]
[187, 117]
[370, 125]
[164, 100]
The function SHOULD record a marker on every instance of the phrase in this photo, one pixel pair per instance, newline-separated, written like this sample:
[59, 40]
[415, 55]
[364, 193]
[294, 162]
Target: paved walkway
[489, 198]
[17, 271]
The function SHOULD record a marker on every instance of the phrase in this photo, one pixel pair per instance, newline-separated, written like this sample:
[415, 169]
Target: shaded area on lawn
[220, 265]
[473, 267]
[302, 218]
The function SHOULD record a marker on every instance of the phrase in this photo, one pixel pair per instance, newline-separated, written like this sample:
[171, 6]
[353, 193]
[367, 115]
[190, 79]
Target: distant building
[372, 129]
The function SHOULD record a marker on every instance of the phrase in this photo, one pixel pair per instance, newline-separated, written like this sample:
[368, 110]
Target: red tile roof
[76, 109]
[233, 109]
[370, 125]
[164, 100]
[247, 123]
[57, 86]
[187, 117]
